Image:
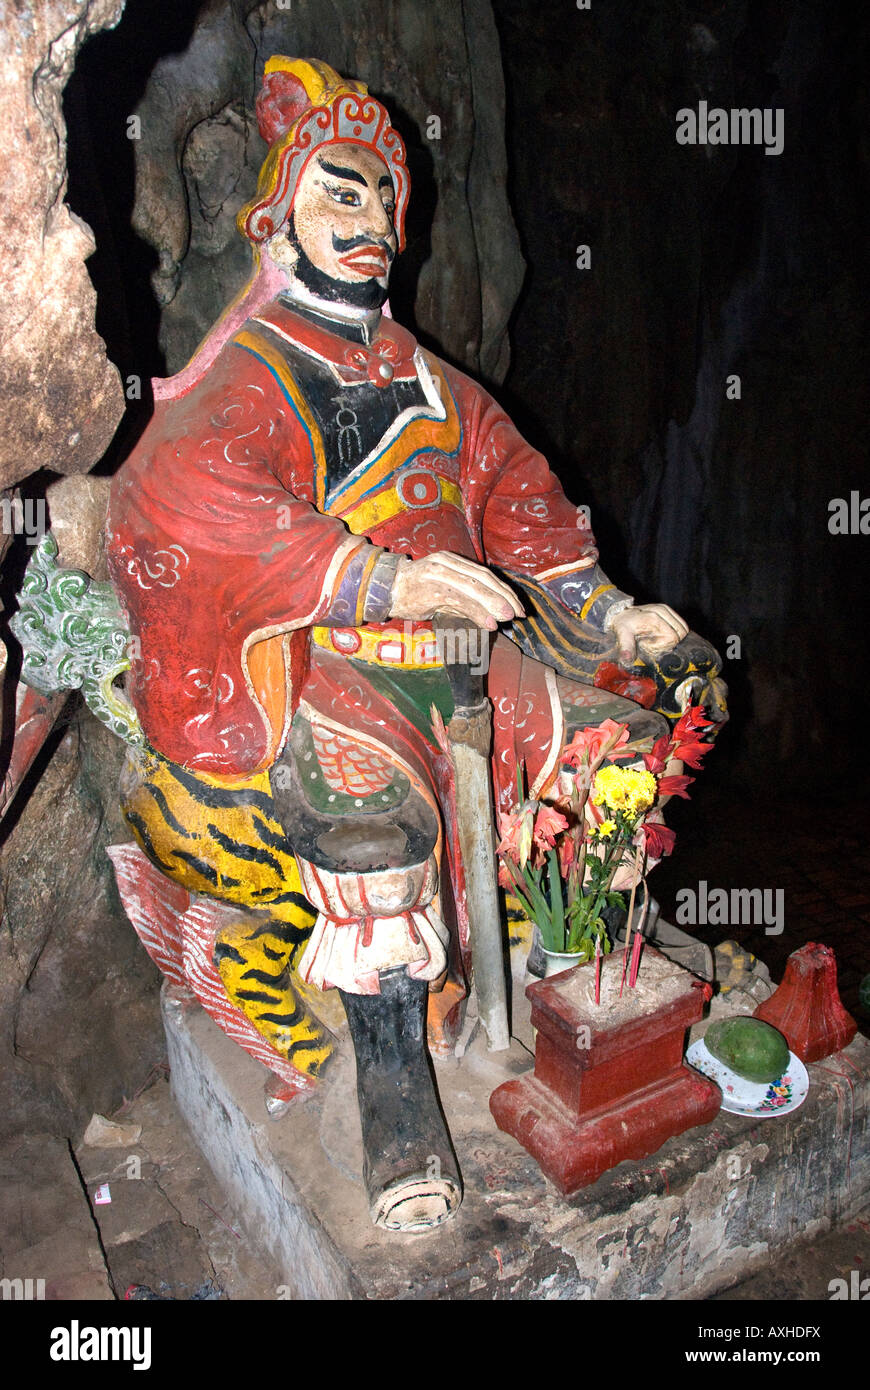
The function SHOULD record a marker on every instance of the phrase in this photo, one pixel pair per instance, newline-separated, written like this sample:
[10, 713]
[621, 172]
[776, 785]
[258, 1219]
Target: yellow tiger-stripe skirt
[224, 841]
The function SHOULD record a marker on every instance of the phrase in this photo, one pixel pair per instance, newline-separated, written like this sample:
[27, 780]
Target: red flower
[548, 824]
[675, 786]
[658, 839]
[590, 746]
[656, 759]
[566, 856]
[616, 679]
[693, 719]
[516, 833]
[692, 753]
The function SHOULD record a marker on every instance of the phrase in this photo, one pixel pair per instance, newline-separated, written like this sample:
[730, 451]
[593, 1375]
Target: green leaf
[557, 907]
[541, 913]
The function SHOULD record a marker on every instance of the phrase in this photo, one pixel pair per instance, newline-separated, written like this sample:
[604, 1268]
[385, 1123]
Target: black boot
[410, 1171]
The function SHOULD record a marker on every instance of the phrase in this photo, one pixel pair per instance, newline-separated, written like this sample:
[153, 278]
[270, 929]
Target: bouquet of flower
[560, 856]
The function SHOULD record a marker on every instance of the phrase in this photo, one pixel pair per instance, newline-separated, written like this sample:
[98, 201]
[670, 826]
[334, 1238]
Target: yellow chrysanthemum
[605, 829]
[627, 789]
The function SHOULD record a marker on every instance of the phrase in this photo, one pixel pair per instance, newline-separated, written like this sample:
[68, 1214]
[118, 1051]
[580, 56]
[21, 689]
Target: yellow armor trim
[596, 593]
[374, 511]
[401, 647]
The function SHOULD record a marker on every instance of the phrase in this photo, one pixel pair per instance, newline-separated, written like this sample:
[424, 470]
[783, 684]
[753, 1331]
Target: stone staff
[470, 736]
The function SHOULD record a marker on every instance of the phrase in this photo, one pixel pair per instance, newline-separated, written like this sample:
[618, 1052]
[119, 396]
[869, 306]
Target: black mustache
[338, 244]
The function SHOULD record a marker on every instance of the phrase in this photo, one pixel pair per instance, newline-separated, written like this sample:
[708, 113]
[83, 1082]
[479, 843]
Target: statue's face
[343, 224]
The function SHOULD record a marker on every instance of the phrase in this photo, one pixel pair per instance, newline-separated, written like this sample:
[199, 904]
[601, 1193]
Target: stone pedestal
[609, 1082]
[715, 1203]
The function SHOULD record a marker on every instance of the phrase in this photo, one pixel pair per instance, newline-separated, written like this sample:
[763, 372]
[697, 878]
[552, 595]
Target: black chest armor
[352, 417]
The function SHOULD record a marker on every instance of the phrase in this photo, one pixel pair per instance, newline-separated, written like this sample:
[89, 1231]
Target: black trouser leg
[410, 1172]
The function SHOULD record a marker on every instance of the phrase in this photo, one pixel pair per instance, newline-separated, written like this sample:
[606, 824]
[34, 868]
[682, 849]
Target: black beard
[367, 294]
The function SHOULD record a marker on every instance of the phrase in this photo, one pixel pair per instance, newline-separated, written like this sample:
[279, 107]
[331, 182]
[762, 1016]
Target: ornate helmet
[303, 105]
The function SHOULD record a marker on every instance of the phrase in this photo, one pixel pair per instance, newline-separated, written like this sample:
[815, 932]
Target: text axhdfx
[730, 1334]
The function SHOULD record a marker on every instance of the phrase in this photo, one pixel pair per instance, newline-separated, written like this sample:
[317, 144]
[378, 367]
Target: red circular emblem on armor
[344, 639]
[419, 489]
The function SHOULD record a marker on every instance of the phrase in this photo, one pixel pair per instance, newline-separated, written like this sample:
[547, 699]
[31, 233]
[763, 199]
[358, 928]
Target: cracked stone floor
[168, 1230]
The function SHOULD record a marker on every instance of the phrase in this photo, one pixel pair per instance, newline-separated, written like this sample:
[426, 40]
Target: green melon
[749, 1047]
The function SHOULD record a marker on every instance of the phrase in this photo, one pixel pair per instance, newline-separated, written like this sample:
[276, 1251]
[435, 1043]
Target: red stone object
[806, 1007]
[603, 1092]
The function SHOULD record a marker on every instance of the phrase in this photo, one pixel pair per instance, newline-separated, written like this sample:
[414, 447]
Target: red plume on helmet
[280, 102]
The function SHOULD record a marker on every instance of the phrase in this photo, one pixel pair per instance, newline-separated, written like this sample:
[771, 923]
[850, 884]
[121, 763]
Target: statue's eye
[348, 197]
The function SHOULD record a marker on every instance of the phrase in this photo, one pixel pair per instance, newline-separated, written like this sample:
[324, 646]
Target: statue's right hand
[446, 583]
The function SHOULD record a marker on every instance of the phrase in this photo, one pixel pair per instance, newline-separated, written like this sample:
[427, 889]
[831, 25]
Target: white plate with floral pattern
[761, 1099]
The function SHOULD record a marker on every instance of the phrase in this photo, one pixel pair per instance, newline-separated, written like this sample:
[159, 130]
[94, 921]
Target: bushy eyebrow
[339, 172]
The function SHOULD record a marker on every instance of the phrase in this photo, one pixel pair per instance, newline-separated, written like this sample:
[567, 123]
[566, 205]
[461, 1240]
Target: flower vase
[557, 961]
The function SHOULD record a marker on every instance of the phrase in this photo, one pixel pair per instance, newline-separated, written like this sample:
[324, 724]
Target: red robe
[226, 544]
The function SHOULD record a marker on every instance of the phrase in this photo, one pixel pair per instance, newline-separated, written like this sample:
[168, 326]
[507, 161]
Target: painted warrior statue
[310, 493]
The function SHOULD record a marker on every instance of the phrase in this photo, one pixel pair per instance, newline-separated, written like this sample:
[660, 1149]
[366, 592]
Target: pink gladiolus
[516, 833]
[548, 825]
[504, 877]
[566, 855]
[580, 750]
[590, 746]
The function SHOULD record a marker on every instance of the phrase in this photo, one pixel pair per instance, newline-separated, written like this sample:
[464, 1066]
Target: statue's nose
[380, 223]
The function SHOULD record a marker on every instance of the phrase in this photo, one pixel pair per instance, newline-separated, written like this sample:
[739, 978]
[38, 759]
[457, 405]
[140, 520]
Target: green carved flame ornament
[75, 637]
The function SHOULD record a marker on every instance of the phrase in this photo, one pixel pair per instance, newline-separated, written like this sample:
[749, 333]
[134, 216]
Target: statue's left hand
[651, 628]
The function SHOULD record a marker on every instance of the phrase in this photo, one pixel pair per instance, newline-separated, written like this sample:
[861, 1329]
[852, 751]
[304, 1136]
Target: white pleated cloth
[349, 954]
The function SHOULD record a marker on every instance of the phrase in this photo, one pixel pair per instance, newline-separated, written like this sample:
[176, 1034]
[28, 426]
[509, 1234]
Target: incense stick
[630, 919]
[635, 960]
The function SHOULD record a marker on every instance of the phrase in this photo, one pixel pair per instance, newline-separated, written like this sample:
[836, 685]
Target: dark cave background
[707, 261]
[558, 129]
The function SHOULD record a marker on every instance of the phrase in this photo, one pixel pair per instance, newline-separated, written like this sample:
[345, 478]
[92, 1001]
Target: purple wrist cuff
[590, 594]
